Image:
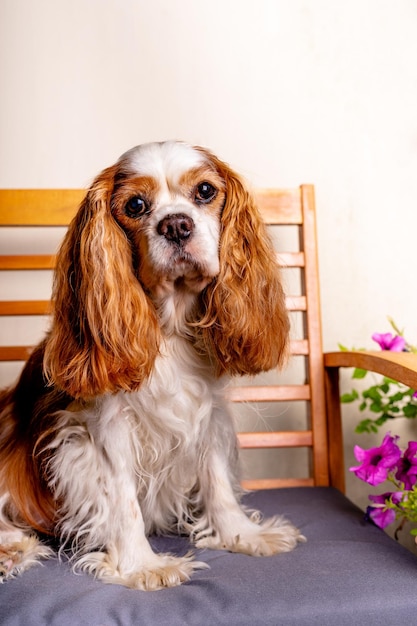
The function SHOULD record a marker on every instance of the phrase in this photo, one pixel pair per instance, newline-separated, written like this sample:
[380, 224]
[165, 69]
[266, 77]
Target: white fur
[162, 161]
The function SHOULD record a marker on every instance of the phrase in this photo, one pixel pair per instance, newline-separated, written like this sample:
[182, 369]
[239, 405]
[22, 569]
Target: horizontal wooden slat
[299, 347]
[270, 393]
[27, 262]
[56, 207]
[39, 207]
[15, 353]
[281, 206]
[296, 303]
[47, 261]
[276, 483]
[291, 259]
[25, 307]
[281, 439]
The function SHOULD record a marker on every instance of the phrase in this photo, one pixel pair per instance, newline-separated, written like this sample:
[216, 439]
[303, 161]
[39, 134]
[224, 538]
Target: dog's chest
[171, 414]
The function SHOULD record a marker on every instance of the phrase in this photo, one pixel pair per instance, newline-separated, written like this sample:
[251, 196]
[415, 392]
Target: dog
[166, 285]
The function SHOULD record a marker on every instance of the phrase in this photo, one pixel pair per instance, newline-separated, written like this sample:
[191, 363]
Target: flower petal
[387, 341]
[381, 517]
[382, 339]
[377, 462]
[411, 449]
[397, 344]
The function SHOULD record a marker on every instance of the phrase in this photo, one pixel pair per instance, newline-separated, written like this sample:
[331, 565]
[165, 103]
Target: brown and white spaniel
[166, 284]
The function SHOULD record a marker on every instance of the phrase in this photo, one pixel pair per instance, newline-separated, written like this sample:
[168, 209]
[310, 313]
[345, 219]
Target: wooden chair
[320, 582]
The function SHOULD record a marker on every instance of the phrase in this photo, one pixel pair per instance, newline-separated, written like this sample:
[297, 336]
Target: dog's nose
[177, 227]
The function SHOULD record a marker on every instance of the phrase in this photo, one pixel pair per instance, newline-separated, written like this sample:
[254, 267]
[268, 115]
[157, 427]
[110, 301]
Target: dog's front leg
[93, 477]
[228, 527]
[126, 556]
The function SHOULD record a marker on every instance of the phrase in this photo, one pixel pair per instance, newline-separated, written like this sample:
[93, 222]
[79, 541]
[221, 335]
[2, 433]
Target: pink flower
[387, 341]
[407, 466]
[377, 462]
[380, 514]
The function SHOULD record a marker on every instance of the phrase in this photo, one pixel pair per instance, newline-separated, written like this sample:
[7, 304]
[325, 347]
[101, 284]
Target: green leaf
[369, 426]
[376, 407]
[342, 348]
[387, 416]
[381, 420]
[397, 397]
[349, 397]
[359, 373]
[391, 381]
[410, 410]
[373, 394]
[363, 426]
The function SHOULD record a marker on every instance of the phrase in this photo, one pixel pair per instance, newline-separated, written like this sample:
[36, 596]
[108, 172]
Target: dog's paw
[170, 571]
[162, 570]
[272, 536]
[18, 555]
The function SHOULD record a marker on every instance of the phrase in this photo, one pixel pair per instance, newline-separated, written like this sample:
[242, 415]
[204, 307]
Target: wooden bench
[290, 213]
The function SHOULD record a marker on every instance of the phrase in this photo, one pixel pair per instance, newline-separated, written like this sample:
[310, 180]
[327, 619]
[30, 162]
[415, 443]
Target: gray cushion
[349, 572]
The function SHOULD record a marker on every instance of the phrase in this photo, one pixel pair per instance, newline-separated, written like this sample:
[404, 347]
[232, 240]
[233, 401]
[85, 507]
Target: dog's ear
[105, 334]
[245, 323]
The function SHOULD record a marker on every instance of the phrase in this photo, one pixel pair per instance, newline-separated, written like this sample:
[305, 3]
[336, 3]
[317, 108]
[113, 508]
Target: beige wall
[287, 91]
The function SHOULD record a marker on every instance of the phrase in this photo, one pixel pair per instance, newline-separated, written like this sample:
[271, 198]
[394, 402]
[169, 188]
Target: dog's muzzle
[176, 228]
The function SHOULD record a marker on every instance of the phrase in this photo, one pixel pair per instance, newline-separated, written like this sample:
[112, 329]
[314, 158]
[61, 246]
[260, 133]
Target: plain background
[286, 91]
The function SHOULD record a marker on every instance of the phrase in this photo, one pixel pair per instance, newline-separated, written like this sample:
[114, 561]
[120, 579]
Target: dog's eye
[135, 207]
[204, 193]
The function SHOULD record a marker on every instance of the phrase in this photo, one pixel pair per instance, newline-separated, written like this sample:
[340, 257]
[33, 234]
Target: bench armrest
[400, 366]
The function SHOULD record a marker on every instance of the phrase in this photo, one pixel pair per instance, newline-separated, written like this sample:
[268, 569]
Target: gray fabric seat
[348, 573]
